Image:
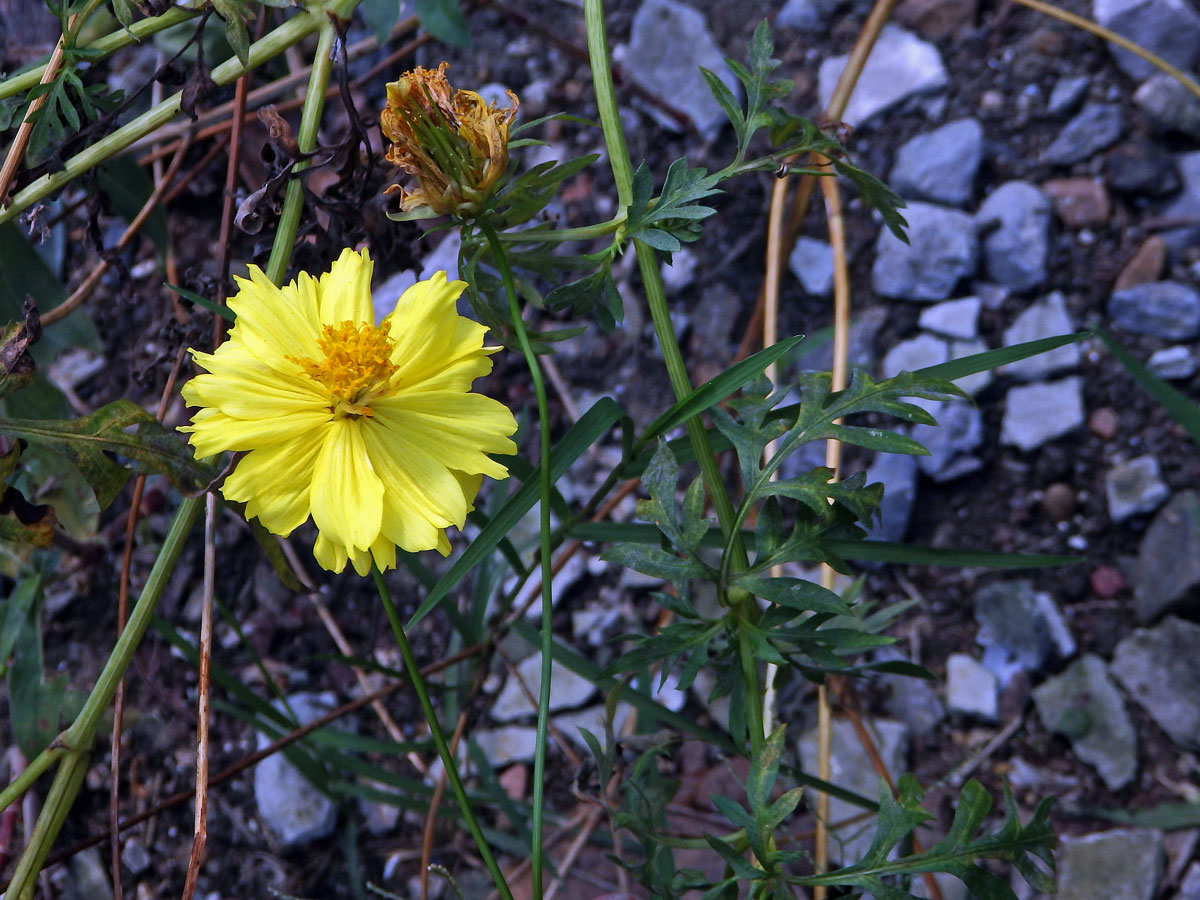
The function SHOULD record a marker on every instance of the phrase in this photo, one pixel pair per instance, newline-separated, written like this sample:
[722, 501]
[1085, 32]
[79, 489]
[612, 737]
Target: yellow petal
[463, 427]
[345, 292]
[274, 323]
[347, 495]
[274, 482]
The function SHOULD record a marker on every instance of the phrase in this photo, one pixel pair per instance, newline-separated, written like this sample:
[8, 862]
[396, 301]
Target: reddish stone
[1079, 202]
[1104, 423]
[936, 19]
[1144, 266]
[1058, 500]
[1106, 582]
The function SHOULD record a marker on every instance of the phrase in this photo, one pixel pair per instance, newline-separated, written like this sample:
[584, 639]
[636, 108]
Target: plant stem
[559, 235]
[544, 485]
[439, 739]
[306, 139]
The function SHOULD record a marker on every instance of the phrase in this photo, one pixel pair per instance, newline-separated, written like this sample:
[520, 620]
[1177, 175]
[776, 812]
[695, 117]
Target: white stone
[1046, 318]
[971, 690]
[1037, 413]
[811, 261]
[512, 743]
[566, 690]
[915, 353]
[954, 318]
[901, 65]
[1134, 487]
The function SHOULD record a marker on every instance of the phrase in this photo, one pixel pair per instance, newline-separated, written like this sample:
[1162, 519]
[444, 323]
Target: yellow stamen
[357, 365]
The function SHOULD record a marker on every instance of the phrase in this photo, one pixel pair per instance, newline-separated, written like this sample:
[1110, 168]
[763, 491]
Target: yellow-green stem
[537, 862]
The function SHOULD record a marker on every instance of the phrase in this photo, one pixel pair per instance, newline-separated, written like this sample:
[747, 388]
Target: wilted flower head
[370, 429]
[452, 142]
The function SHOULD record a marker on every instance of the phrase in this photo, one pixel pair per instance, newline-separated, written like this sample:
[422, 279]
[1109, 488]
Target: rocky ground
[1053, 186]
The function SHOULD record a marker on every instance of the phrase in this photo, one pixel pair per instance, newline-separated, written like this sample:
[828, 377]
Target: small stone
[811, 261]
[936, 19]
[940, 166]
[1097, 127]
[1078, 202]
[1134, 487]
[668, 43]
[1019, 628]
[897, 472]
[1122, 864]
[1160, 669]
[912, 700]
[566, 690]
[1106, 582]
[1085, 706]
[681, 272]
[971, 690]
[1167, 28]
[87, 877]
[1015, 222]
[1186, 205]
[1067, 94]
[592, 718]
[1144, 266]
[1169, 105]
[509, 744]
[975, 383]
[515, 781]
[1141, 168]
[913, 354]
[1046, 318]
[1104, 423]
[1058, 500]
[379, 817]
[941, 252]
[807, 15]
[1037, 413]
[958, 432]
[1168, 566]
[1165, 309]
[1189, 888]
[900, 66]
[1172, 363]
[954, 318]
[135, 857]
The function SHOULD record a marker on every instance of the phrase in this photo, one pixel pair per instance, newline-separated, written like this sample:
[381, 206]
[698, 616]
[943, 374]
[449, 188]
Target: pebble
[811, 261]
[897, 472]
[1172, 363]
[508, 744]
[1141, 168]
[668, 43]
[900, 66]
[1159, 668]
[1186, 206]
[1047, 317]
[954, 318]
[1169, 105]
[1078, 202]
[680, 273]
[1037, 413]
[1059, 501]
[941, 252]
[1104, 423]
[940, 166]
[913, 354]
[1016, 247]
[1145, 265]
[1121, 864]
[971, 689]
[913, 701]
[1084, 705]
[1067, 94]
[1168, 564]
[1189, 888]
[135, 857]
[1165, 309]
[959, 432]
[972, 384]
[566, 690]
[1134, 487]
[87, 877]
[1019, 628]
[807, 15]
[936, 19]
[1096, 127]
[1106, 582]
[1168, 28]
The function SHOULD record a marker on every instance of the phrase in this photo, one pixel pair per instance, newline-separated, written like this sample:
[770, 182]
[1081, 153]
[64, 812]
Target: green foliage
[445, 21]
[674, 215]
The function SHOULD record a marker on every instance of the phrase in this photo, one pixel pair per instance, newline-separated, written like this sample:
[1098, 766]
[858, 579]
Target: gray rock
[913, 354]
[1186, 206]
[807, 15]
[87, 877]
[1097, 127]
[289, 804]
[1122, 864]
[1046, 318]
[1018, 243]
[913, 701]
[941, 252]
[592, 718]
[1142, 168]
[1134, 487]
[972, 384]
[566, 690]
[1067, 94]
[851, 768]
[1037, 413]
[378, 817]
[900, 66]
[811, 261]
[668, 43]
[1169, 28]
[508, 744]
[1168, 566]
[940, 166]
[1019, 628]
[898, 474]
[958, 433]
[135, 857]
[1084, 705]
[681, 272]
[863, 329]
[1173, 363]
[442, 258]
[954, 318]
[1165, 309]
[1189, 887]
[1160, 669]
[1169, 105]
[971, 689]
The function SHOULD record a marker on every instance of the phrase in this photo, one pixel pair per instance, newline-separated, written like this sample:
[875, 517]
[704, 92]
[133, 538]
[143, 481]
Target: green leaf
[794, 593]
[1167, 816]
[445, 21]
[670, 217]
[1180, 407]
[981, 362]
[380, 17]
[215, 308]
[128, 187]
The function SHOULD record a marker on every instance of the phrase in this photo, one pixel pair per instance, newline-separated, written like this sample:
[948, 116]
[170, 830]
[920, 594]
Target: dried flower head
[452, 142]
[370, 429]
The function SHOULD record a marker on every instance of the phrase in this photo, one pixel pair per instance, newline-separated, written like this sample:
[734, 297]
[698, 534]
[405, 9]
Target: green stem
[439, 739]
[559, 235]
[63, 790]
[306, 139]
[70, 38]
[545, 485]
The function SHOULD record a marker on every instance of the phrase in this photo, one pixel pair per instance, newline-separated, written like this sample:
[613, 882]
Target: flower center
[357, 366]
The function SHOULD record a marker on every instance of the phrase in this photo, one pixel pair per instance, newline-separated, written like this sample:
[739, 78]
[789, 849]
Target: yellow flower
[454, 144]
[371, 430]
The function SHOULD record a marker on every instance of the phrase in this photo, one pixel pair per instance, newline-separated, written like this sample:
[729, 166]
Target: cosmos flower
[370, 429]
[453, 143]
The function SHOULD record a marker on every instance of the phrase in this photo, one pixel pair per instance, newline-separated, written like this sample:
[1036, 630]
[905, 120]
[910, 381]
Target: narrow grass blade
[1180, 407]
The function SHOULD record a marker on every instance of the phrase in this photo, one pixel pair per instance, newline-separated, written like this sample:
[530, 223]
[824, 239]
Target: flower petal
[347, 495]
[274, 323]
[274, 482]
[345, 292]
[463, 427]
